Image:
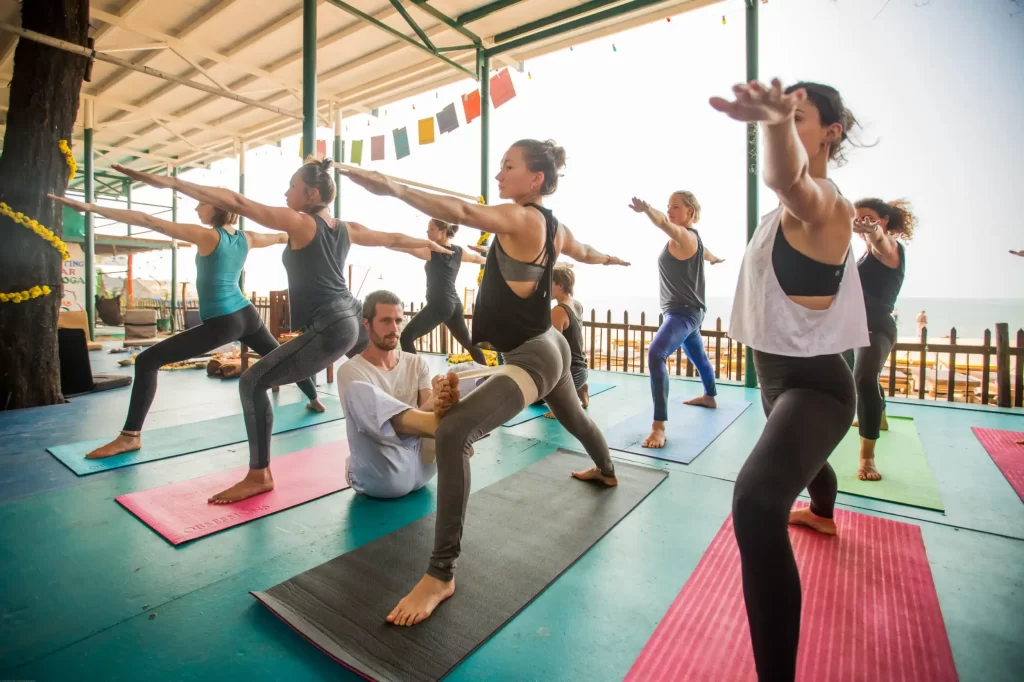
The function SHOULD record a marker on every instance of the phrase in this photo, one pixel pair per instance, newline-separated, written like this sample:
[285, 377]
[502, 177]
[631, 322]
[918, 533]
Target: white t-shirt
[404, 382]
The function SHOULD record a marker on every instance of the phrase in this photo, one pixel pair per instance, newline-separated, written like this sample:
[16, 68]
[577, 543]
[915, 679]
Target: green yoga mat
[899, 456]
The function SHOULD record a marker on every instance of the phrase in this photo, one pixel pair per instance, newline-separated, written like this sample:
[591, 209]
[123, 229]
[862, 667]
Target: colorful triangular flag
[357, 153]
[321, 149]
[426, 130]
[502, 89]
[377, 148]
[401, 142]
[447, 119]
[471, 105]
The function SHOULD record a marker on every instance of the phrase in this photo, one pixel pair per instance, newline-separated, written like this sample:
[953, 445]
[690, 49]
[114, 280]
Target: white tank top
[766, 319]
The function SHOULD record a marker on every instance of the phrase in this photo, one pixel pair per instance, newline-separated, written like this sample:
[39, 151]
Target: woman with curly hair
[882, 225]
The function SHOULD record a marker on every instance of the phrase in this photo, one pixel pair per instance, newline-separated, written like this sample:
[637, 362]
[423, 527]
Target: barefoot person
[443, 303]
[226, 314]
[565, 318]
[799, 305]
[681, 272]
[513, 317]
[883, 226]
[322, 306]
[389, 407]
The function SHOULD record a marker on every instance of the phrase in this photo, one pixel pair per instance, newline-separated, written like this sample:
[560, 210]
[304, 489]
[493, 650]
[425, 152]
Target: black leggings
[445, 311]
[810, 404]
[242, 325]
[870, 398]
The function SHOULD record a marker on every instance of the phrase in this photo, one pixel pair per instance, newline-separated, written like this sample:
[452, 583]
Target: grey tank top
[316, 273]
[682, 281]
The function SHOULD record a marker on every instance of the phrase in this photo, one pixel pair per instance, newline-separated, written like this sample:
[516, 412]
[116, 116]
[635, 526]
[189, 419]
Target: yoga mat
[173, 441]
[1009, 457]
[180, 511]
[521, 534]
[689, 430]
[899, 457]
[870, 611]
[534, 411]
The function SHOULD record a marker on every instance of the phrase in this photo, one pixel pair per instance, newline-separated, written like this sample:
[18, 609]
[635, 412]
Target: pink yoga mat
[1009, 457]
[870, 611]
[180, 511]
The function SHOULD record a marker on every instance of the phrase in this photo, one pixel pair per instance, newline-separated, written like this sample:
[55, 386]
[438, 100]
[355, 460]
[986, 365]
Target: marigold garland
[45, 234]
[482, 241]
[69, 158]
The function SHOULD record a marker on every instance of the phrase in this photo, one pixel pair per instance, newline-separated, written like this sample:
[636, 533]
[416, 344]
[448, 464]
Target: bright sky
[936, 83]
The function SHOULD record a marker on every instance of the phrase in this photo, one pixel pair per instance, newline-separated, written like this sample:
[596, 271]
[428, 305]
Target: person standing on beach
[922, 322]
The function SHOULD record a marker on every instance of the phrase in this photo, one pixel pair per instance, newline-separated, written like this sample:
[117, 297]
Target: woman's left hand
[372, 181]
[612, 260]
[142, 176]
[865, 225]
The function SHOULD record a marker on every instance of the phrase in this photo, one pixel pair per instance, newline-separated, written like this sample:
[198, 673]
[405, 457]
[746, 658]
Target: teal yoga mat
[534, 411]
[689, 430]
[173, 441]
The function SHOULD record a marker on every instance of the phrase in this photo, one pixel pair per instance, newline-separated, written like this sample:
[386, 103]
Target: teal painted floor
[90, 593]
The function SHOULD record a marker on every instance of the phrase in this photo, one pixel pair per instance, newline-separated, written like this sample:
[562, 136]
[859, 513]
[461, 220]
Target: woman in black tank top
[882, 225]
[322, 306]
[443, 303]
[513, 316]
[566, 319]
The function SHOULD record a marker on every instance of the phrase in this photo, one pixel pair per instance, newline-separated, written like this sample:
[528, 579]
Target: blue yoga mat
[688, 432]
[534, 411]
[187, 438]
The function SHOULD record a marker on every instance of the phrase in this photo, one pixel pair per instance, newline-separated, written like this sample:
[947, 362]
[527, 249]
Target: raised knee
[451, 437]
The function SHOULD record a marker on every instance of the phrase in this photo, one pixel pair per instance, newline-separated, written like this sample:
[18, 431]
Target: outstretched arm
[685, 238]
[364, 236]
[259, 240]
[881, 245]
[584, 253]
[712, 258]
[468, 257]
[421, 253]
[204, 238]
[274, 217]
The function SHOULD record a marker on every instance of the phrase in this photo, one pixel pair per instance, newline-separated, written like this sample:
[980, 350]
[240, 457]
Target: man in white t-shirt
[388, 402]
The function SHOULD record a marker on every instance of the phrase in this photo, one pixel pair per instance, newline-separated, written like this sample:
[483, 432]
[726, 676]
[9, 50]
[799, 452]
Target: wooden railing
[945, 370]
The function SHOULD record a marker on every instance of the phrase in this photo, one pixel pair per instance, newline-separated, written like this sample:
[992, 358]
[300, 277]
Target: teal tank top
[217, 276]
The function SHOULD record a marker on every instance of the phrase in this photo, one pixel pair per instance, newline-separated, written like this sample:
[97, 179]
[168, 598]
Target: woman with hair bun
[322, 307]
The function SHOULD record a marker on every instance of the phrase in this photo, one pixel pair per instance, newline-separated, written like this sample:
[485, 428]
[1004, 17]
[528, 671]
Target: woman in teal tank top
[226, 314]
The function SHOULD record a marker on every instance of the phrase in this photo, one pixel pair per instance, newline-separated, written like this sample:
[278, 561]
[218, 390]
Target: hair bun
[557, 153]
[326, 164]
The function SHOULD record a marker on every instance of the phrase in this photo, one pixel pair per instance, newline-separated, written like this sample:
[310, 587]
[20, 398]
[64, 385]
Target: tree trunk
[43, 106]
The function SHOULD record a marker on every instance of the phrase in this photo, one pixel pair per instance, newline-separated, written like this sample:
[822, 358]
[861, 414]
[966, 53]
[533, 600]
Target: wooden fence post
[1003, 364]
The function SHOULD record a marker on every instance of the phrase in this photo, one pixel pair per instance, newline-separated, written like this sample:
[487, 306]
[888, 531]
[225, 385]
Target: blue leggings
[681, 328]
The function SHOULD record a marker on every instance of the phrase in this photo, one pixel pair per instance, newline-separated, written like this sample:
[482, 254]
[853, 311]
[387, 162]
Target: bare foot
[703, 401]
[1020, 442]
[256, 482]
[594, 474]
[584, 394]
[446, 394]
[417, 606]
[856, 423]
[316, 406]
[867, 470]
[126, 441]
[657, 437]
[549, 415]
[805, 517]
[885, 423]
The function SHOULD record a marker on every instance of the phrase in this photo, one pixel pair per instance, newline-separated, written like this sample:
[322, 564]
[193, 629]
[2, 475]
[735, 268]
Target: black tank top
[881, 285]
[316, 273]
[503, 320]
[682, 281]
[442, 269]
[574, 336]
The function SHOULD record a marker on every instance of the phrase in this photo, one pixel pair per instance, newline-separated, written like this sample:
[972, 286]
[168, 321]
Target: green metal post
[128, 199]
[483, 64]
[750, 376]
[241, 220]
[339, 157]
[174, 254]
[88, 161]
[308, 77]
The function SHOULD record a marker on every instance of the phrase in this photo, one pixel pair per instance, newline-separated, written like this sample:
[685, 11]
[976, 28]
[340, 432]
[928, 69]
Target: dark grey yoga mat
[521, 534]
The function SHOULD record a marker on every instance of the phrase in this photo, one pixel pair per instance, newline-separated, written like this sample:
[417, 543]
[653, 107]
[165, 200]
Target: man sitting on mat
[389, 407]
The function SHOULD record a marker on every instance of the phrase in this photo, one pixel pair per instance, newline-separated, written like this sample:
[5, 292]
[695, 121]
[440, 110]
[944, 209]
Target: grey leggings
[334, 331]
[496, 400]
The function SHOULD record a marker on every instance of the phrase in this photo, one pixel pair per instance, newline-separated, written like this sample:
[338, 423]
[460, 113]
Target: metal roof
[222, 72]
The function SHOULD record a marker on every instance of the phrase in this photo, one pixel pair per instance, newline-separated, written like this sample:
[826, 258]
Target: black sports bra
[801, 275]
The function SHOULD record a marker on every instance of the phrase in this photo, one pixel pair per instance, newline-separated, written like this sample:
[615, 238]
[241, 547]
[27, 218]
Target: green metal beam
[397, 34]
[397, 4]
[88, 166]
[552, 19]
[128, 200]
[488, 9]
[595, 18]
[456, 48]
[751, 164]
[483, 63]
[308, 77]
[447, 20]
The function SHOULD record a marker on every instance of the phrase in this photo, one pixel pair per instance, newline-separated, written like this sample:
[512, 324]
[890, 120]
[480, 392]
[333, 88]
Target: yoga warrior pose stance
[565, 318]
[881, 270]
[225, 312]
[443, 303]
[799, 305]
[322, 307]
[513, 317]
[681, 270]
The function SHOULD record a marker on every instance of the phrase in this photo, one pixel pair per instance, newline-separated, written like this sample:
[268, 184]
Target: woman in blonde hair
[681, 270]
[566, 318]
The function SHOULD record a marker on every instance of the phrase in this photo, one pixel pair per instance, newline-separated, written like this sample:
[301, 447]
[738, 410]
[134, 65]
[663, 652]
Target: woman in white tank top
[799, 305]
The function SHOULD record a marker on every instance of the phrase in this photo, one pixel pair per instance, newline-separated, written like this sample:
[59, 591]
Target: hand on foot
[256, 482]
[805, 517]
[316, 406]
[417, 606]
[127, 441]
[867, 470]
[703, 401]
[594, 474]
[657, 437]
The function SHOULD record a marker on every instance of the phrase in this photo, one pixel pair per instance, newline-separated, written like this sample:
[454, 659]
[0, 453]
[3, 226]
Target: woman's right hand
[755, 102]
[639, 205]
[437, 248]
[865, 225]
[71, 203]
